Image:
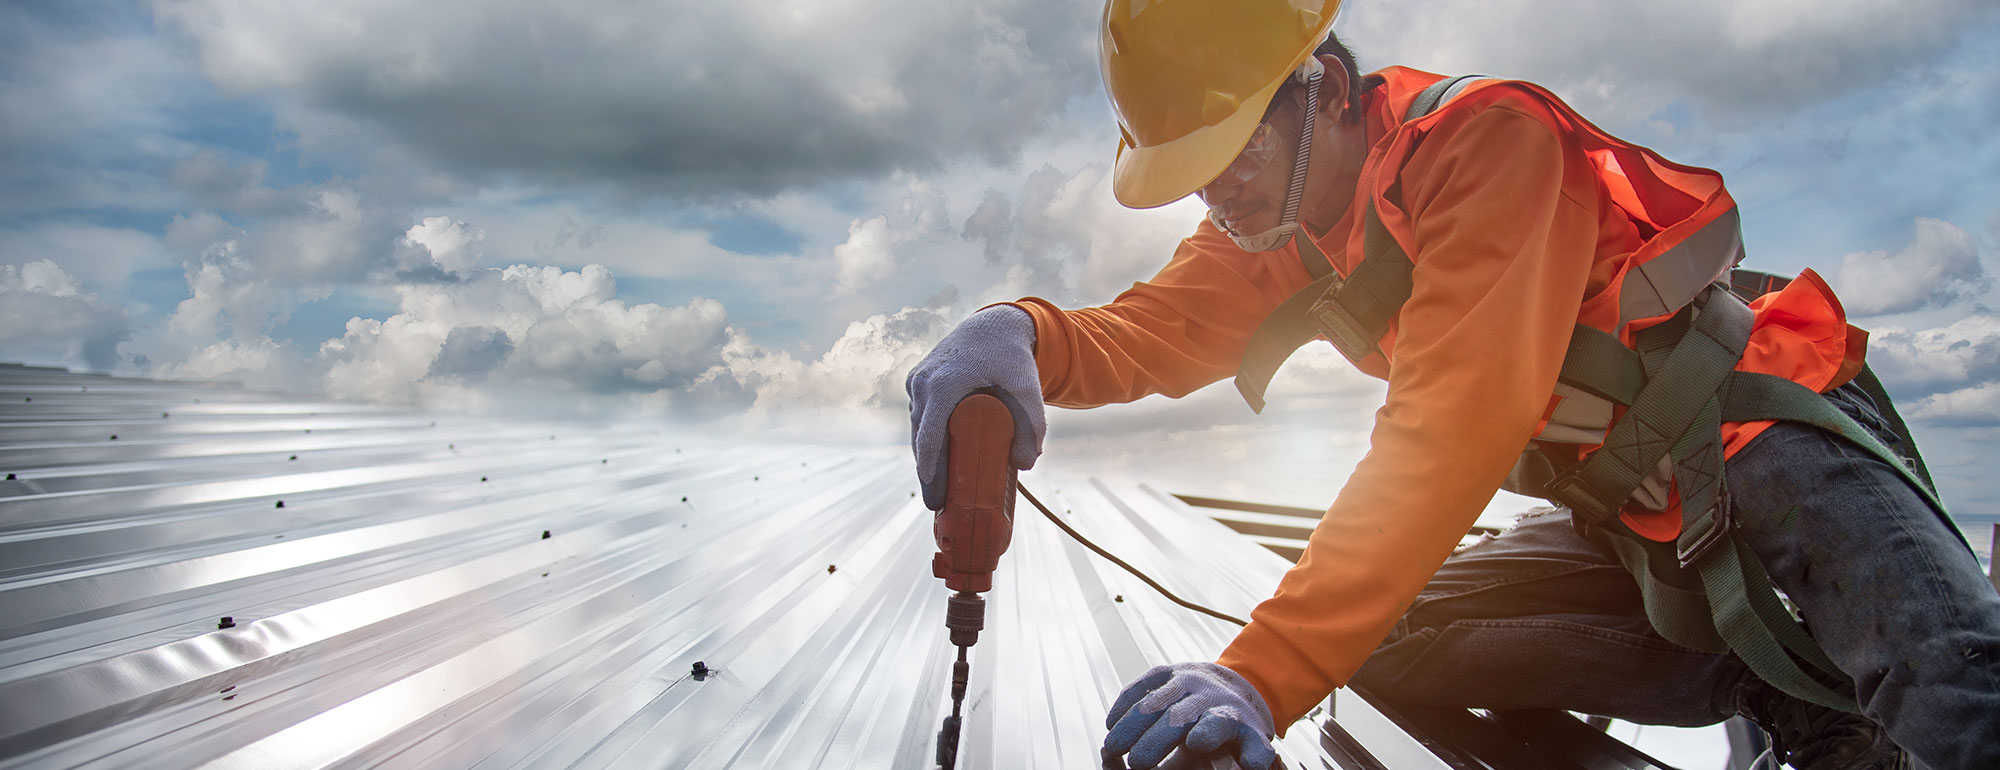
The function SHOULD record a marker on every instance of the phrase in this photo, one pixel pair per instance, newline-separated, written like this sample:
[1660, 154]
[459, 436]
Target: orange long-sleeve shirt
[1512, 233]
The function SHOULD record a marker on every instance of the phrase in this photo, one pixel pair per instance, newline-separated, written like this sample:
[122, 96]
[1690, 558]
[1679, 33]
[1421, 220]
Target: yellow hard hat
[1190, 79]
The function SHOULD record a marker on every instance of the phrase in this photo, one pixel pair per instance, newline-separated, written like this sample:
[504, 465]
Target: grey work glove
[1204, 706]
[991, 352]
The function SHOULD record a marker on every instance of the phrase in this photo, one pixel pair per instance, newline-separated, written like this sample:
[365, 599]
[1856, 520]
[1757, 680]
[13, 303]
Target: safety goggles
[1257, 153]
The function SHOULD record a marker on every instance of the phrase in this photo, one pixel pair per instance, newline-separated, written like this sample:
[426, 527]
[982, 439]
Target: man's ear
[1333, 87]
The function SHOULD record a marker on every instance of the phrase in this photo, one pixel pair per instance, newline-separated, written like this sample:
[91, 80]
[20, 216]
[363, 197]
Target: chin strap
[1275, 238]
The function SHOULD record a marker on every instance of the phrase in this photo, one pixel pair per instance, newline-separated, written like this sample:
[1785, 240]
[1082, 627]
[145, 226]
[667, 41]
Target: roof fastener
[293, 457]
[482, 479]
[114, 437]
[280, 504]
[830, 568]
[545, 534]
[10, 477]
[700, 671]
[226, 622]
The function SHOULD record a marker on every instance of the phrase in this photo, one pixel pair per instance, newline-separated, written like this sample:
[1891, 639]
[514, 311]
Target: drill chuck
[965, 615]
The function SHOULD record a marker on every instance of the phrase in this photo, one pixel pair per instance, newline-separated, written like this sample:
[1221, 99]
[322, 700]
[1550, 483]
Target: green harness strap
[1707, 590]
[1351, 312]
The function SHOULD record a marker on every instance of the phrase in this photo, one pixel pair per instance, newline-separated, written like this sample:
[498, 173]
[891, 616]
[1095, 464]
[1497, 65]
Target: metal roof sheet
[195, 575]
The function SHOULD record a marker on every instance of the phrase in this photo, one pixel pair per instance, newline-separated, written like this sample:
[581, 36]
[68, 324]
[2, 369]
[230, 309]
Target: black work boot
[1808, 736]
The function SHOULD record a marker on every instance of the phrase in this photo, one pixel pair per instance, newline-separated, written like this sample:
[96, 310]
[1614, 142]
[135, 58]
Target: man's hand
[992, 352]
[1202, 706]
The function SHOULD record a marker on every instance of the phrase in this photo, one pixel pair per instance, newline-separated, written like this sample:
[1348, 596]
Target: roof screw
[309, 430]
[164, 415]
[684, 498]
[453, 447]
[605, 461]
[756, 478]
[226, 622]
[114, 437]
[700, 671]
[1119, 598]
[28, 399]
[281, 504]
[830, 568]
[10, 477]
[227, 689]
[86, 388]
[482, 479]
[293, 457]
[545, 534]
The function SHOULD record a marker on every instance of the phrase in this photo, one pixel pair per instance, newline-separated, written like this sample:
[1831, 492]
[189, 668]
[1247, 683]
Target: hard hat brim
[1156, 175]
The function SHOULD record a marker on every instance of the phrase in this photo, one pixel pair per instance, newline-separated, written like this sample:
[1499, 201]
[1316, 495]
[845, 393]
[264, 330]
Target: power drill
[972, 531]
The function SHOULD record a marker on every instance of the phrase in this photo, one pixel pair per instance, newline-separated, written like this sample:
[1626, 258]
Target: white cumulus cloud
[1974, 406]
[1940, 265]
[446, 243]
[524, 328]
[46, 316]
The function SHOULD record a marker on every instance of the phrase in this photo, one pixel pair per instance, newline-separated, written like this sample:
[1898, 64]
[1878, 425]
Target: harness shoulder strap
[1352, 313]
[1281, 333]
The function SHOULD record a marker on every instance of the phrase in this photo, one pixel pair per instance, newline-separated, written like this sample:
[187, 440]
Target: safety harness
[1679, 384]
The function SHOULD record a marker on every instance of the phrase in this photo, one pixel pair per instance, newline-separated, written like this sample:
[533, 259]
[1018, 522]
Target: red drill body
[972, 531]
[978, 517]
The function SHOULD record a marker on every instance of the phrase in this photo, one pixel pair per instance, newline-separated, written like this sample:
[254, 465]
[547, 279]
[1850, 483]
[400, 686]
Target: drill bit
[965, 615]
[947, 750]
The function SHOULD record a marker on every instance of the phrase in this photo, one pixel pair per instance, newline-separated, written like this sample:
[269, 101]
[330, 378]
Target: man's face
[1249, 197]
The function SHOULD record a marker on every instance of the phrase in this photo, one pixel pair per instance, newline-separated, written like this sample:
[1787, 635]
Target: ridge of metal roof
[198, 575]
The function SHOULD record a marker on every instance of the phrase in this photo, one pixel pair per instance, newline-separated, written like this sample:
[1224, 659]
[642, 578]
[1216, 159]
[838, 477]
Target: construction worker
[1522, 280]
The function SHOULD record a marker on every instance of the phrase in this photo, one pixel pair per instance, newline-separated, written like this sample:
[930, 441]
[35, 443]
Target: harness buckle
[1570, 490]
[1339, 327]
[1700, 534]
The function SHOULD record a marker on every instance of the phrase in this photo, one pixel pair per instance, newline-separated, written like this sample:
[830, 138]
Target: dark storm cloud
[694, 98]
[1736, 64]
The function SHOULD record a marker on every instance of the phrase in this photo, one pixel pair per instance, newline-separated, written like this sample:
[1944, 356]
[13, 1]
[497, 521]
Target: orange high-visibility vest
[1692, 242]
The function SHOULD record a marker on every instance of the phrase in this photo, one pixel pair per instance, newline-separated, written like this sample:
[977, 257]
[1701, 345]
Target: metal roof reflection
[194, 575]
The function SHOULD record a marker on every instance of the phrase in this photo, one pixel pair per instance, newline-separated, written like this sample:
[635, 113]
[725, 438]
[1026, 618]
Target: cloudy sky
[753, 218]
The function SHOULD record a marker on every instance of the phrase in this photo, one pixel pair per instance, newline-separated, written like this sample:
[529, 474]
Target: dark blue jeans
[1541, 617]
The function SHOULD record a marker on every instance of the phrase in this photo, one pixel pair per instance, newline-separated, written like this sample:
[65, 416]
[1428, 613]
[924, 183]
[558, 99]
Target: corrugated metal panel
[411, 590]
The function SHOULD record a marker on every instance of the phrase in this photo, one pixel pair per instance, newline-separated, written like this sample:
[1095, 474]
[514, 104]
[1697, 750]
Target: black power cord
[1121, 562]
